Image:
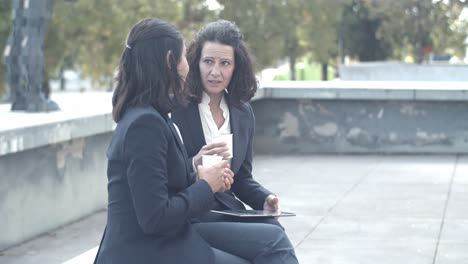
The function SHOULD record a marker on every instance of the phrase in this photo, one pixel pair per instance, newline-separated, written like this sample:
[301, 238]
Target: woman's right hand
[219, 148]
[218, 176]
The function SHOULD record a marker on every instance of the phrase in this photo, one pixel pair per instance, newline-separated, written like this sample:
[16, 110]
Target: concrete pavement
[373, 209]
[351, 209]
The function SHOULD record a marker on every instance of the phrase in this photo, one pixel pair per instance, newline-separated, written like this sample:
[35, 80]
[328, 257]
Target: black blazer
[242, 123]
[152, 195]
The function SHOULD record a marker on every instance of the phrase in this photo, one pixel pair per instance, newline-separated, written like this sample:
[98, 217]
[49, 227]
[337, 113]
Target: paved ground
[351, 210]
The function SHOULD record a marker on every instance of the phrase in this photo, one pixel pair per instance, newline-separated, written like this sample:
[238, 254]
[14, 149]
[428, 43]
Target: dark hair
[144, 76]
[243, 84]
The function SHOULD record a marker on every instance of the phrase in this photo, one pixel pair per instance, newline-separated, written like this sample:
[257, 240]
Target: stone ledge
[24, 138]
[399, 71]
[82, 115]
[85, 114]
[365, 90]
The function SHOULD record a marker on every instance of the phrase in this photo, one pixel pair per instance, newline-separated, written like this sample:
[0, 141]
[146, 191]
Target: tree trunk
[292, 68]
[419, 55]
[111, 84]
[63, 81]
[324, 71]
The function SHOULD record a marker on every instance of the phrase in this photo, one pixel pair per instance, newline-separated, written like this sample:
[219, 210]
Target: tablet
[252, 213]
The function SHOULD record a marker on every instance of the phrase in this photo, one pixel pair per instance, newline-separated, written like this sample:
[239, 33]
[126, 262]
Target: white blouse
[210, 129]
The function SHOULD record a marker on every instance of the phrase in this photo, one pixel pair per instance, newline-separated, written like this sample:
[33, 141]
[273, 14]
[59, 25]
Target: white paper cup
[210, 160]
[227, 138]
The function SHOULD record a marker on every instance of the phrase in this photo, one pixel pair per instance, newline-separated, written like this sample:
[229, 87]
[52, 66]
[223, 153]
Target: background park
[361, 124]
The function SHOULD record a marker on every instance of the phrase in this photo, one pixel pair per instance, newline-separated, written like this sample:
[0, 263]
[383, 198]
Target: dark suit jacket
[152, 195]
[242, 123]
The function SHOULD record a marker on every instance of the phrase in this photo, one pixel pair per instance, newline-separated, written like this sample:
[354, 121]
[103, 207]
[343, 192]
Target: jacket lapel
[179, 144]
[175, 134]
[237, 126]
[195, 126]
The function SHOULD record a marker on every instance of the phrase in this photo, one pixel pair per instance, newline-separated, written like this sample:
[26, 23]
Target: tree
[359, 31]
[411, 25]
[449, 33]
[257, 22]
[287, 29]
[270, 28]
[99, 27]
[320, 30]
[89, 35]
[293, 46]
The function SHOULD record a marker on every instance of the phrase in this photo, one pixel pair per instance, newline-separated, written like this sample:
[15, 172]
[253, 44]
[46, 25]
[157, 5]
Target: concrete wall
[353, 119]
[286, 126]
[52, 165]
[383, 71]
[46, 187]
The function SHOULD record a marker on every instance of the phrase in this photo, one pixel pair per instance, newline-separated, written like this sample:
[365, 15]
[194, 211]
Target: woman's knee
[278, 248]
[275, 234]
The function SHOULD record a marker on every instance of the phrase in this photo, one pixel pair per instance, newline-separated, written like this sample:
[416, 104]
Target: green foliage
[321, 21]
[89, 35]
[263, 24]
[279, 29]
[410, 25]
[359, 33]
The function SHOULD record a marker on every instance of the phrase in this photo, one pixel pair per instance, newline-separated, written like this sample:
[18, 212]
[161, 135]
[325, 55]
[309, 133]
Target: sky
[213, 4]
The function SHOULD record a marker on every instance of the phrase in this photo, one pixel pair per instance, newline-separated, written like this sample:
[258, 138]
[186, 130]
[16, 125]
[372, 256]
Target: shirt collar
[205, 99]
[223, 105]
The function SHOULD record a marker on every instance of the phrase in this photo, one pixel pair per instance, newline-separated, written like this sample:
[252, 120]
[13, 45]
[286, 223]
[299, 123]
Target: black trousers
[243, 243]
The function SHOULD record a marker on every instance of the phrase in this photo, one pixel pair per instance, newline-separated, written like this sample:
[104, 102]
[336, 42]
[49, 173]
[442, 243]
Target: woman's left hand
[218, 148]
[228, 179]
[272, 203]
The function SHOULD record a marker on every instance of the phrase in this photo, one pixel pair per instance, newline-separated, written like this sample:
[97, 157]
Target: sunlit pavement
[351, 209]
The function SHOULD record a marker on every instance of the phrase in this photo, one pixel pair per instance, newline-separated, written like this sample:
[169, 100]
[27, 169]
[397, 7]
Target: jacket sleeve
[146, 149]
[245, 187]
